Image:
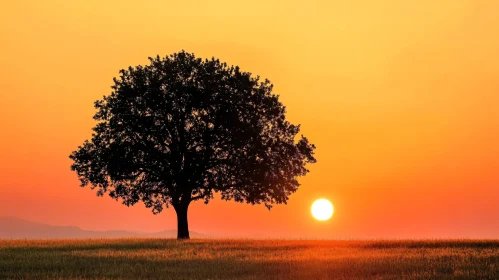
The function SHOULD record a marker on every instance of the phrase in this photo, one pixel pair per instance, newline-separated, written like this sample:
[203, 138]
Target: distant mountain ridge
[16, 228]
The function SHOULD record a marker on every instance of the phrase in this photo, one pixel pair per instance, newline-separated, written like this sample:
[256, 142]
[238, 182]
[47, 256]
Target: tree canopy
[182, 128]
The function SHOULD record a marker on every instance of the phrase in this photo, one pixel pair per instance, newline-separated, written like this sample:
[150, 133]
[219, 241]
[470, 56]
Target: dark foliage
[182, 128]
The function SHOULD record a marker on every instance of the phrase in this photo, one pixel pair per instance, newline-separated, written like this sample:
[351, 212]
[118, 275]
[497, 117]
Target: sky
[400, 97]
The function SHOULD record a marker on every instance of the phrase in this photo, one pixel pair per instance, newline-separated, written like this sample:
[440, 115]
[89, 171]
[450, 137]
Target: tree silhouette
[182, 128]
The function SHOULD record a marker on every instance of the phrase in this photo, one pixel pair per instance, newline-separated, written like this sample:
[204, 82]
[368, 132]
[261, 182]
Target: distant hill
[16, 228]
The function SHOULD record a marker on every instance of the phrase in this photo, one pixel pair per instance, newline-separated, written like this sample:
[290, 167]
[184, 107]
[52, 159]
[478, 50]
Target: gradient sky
[401, 99]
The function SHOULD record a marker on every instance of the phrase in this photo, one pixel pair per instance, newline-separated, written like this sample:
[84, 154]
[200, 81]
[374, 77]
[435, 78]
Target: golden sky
[401, 99]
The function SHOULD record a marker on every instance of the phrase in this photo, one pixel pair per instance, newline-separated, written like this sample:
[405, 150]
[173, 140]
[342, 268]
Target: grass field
[247, 259]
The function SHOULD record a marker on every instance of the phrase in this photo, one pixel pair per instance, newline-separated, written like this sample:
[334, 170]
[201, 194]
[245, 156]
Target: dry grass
[248, 259]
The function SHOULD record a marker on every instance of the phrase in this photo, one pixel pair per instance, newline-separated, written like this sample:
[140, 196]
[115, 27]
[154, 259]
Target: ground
[247, 259]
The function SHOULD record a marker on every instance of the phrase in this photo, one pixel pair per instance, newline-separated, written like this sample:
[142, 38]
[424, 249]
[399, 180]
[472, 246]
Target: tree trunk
[182, 225]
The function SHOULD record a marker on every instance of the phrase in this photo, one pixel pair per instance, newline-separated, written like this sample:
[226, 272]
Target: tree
[182, 128]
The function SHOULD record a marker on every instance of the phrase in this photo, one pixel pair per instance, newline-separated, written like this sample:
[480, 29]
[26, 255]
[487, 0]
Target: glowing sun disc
[322, 209]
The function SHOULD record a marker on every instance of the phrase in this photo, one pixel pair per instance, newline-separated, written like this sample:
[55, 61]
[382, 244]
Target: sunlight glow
[322, 209]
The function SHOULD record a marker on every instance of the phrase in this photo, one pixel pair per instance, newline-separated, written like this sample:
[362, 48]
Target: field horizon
[145, 258]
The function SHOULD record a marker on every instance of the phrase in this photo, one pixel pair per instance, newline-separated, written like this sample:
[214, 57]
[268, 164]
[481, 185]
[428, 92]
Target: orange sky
[401, 99]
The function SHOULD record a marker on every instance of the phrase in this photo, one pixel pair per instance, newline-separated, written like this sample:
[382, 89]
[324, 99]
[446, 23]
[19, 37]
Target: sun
[322, 209]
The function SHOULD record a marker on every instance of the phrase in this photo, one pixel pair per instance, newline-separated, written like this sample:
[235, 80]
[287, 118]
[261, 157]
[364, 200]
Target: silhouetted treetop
[182, 128]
